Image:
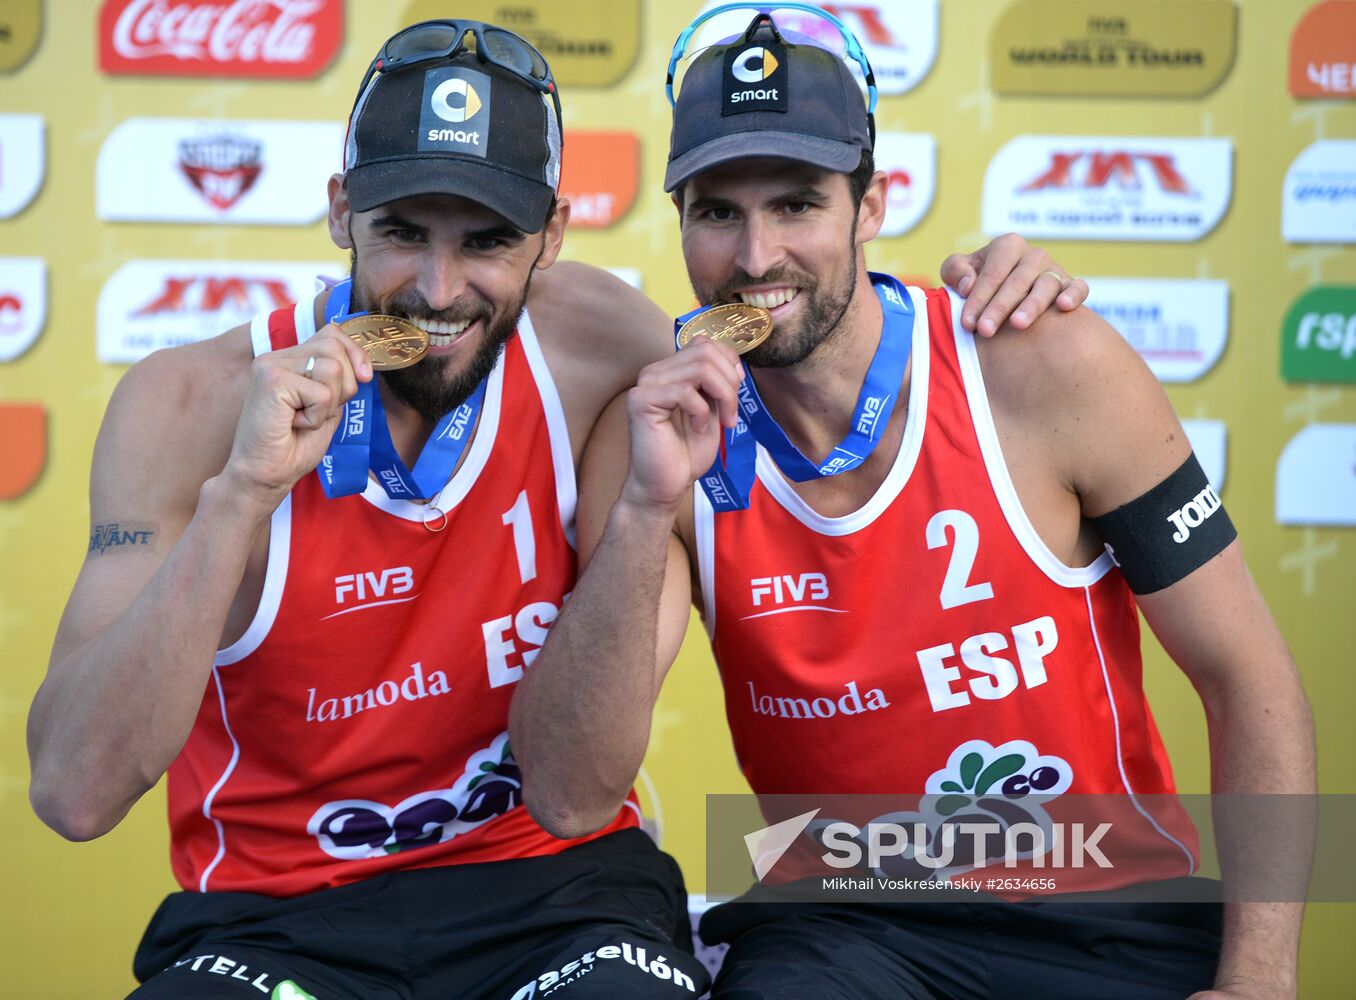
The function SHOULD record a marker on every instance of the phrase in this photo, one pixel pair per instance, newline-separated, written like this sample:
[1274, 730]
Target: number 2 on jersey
[956, 586]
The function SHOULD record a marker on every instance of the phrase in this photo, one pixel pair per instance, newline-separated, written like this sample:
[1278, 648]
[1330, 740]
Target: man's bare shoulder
[172, 417]
[585, 311]
[1063, 363]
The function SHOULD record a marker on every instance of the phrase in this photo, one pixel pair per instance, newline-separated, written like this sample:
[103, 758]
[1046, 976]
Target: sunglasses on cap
[797, 23]
[429, 41]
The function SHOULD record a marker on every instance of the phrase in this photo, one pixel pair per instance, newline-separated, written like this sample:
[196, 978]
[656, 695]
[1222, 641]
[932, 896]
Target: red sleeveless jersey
[360, 724]
[930, 642]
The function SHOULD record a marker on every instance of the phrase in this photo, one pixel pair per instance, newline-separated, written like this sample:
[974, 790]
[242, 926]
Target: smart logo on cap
[755, 79]
[455, 116]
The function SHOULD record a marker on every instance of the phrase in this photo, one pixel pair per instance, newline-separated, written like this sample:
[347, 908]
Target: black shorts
[605, 919]
[1046, 949]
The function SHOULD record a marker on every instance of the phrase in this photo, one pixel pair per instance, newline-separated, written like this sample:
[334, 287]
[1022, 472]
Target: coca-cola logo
[251, 38]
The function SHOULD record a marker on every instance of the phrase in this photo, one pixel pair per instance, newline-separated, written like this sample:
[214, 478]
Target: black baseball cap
[762, 95]
[456, 126]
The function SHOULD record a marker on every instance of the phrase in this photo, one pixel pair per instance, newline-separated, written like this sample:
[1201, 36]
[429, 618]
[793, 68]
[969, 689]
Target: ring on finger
[1063, 282]
[310, 367]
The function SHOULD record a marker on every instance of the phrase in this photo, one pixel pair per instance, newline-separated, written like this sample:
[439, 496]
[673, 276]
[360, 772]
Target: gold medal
[390, 342]
[741, 326]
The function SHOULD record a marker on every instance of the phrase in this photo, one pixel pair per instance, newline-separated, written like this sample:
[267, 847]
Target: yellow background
[70, 915]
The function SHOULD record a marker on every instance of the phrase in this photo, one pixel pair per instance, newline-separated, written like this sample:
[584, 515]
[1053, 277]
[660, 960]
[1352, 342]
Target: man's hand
[676, 414]
[1010, 280]
[290, 415]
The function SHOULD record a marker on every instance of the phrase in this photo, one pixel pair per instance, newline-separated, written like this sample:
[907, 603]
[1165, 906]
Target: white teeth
[441, 334]
[769, 300]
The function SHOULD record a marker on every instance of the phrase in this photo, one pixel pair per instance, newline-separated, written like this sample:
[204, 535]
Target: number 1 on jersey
[519, 516]
[956, 588]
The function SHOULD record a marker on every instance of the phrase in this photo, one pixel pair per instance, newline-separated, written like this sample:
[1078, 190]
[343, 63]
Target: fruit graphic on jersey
[489, 786]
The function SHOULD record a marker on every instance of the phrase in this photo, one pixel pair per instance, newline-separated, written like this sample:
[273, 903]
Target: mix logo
[442, 105]
[23, 161]
[909, 160]
[590, 44]
[20, 29]
[1323, 51]
[600, 177]
[1318, 204]
[1316, 477]
[1318, 340]
[455, 96]
[223, 172]
[1178, 326]
[23, 447]
[899, 37]
[1108, 187]
[1133, 48]
[23, 304]
[150, 304]
[287, 39]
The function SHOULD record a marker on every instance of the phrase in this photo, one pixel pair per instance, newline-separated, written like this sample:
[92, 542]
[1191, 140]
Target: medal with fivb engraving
[741, 326]
[390, 342]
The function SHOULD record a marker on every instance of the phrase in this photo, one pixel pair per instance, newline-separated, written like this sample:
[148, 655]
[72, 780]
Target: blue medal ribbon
[362, 441]
[729, 481]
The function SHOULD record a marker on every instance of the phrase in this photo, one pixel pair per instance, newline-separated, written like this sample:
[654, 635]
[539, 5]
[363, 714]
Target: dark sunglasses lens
[423, 40]
[508, 49]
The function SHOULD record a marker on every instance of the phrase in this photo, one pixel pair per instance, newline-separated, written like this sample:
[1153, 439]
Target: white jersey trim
[562, 455]
[211, 796]
[259, 341]
[999, 478]
[275, 578]
[704, 528]
[914, 423]
[1116, 732]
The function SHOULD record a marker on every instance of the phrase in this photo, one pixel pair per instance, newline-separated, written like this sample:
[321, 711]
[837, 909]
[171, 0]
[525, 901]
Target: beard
[432, 387]
[822, 310]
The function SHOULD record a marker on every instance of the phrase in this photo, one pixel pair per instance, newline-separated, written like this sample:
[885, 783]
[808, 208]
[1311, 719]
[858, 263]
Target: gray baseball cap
[764, 96]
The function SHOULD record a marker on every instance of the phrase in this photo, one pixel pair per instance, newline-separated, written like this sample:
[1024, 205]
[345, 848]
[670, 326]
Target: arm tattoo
[122, 536]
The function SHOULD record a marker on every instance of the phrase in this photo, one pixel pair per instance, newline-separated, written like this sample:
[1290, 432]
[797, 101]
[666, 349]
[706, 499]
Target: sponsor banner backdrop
[23, 161]
[1316, 477]
[910, 162]
[23, 447]
[1088, 187]
[1318, 340]
[225, 171]
[20, 29]
[1323, 51]
[1319, 201]
[23, 304]
[293, 39]
[590, 44]
[1210, 441]
[1133, 48]
[150, 304]
[599, 173]
[1179, 326]
[899, 37]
